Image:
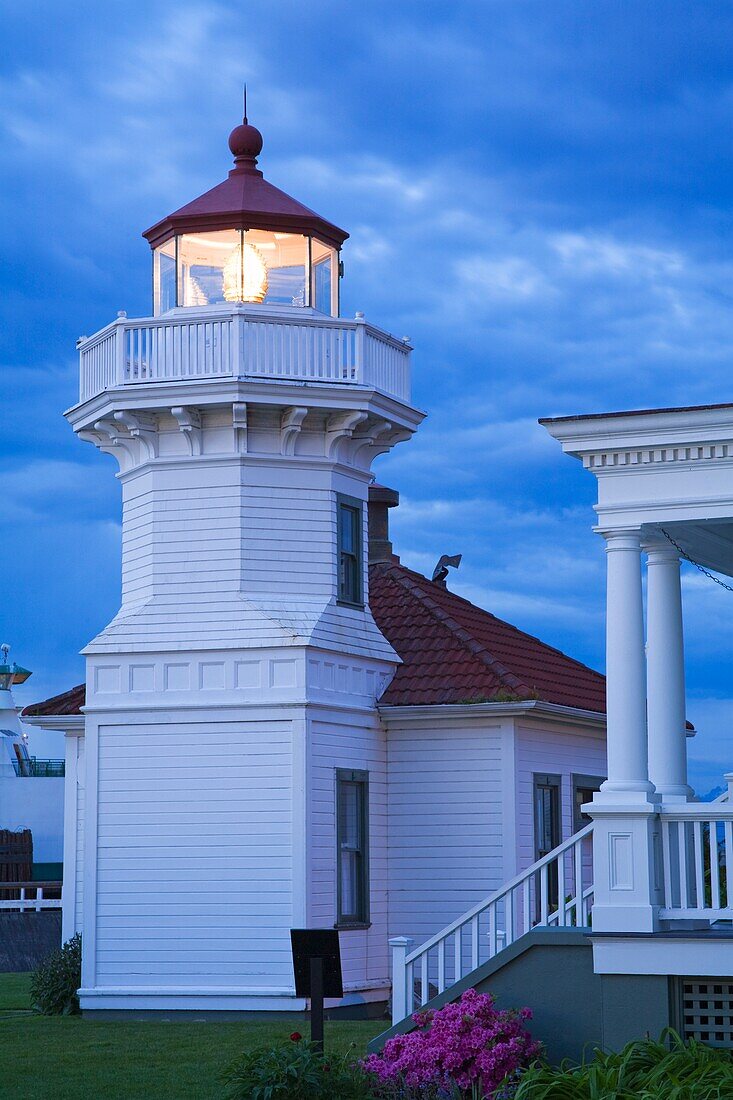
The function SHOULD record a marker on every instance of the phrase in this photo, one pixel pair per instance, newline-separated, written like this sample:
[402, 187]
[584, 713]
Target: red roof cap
[245, 200]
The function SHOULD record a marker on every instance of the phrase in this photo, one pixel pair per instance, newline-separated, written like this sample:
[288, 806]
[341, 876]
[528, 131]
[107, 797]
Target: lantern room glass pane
[234, 265]
[323, 282]
[285, 256]
[164, 277]
[210, 269]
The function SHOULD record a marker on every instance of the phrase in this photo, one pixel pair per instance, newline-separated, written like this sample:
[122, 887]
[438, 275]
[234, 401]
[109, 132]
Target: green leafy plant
[55, 982]
[672, 1069]
[294, 1071]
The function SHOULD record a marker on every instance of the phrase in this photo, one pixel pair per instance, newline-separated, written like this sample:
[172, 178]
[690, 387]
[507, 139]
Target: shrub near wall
[670, 1069]
[55, 982]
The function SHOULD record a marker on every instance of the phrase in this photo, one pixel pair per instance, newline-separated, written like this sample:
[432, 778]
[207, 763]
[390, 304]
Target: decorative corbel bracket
[111, 440]
[373, 442]
[239, 427]
[341, 426]
[189, 423]
[290, 425]
[140, 427]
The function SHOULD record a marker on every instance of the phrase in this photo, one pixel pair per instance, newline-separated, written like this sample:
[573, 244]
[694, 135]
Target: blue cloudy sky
[540, 195]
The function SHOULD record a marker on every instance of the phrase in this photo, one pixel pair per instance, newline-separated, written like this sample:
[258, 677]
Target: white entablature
[666, 467]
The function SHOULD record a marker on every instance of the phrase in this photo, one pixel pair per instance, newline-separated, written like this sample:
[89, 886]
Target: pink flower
[465, 1044]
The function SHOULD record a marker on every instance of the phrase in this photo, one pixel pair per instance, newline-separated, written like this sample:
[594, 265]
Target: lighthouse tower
[235, 691]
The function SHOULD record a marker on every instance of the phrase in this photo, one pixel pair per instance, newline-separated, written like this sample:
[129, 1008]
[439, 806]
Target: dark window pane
[349, 554]
[351, 817]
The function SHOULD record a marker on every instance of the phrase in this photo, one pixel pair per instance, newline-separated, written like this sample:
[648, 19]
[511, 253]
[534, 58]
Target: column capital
[619, 539]
[658, 551]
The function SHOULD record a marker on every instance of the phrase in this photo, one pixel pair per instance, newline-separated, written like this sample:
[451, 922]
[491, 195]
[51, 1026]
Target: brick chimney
[381, 499]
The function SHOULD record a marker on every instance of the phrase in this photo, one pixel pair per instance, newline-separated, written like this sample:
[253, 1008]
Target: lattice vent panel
[707, 1010]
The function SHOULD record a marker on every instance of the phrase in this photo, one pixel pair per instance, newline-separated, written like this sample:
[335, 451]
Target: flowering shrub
[467, 1049]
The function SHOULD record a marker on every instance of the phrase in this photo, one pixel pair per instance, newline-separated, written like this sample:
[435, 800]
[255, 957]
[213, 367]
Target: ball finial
[245, 141]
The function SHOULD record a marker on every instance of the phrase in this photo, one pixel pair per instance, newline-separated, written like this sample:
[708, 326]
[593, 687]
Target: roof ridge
[476, 649]
[510, 626]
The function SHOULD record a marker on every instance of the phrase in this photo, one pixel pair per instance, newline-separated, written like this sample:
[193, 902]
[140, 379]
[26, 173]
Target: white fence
[239, 343]
[556, 891]
[22, 896]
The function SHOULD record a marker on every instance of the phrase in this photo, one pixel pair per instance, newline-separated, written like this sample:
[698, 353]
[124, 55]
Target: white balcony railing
[22, 896]
[697, 849]
[243, 342]
[556, 891]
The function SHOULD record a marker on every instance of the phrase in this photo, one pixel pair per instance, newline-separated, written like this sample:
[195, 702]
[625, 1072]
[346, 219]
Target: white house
[31, 789]
[283, 726]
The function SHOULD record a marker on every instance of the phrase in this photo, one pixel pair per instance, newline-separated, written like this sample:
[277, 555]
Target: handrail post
[399, 946]
[728, 777]
[360, 348]
[120, 352]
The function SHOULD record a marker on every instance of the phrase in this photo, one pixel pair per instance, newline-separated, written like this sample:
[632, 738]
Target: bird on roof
[440, 573]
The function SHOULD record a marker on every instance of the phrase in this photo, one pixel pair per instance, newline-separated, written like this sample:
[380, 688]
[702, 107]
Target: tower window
[349, 534]
[352, 843]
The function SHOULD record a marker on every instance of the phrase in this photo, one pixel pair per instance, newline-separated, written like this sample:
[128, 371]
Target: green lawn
[55, 1058]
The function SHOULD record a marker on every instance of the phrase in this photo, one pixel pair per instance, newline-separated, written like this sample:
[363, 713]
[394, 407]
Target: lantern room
[246, 241]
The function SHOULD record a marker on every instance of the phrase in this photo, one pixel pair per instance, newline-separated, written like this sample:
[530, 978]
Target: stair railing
[556, 891]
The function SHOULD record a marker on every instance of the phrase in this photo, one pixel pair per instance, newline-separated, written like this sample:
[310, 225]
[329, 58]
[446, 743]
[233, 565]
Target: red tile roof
[452, 652]
[69, 702]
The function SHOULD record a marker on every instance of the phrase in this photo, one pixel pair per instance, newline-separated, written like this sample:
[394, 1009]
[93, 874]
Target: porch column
[628, 772]
[626, 847]
[666, 711]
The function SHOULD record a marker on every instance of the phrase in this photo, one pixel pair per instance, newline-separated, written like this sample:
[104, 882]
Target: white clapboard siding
[355, 743]
[195, 854]
[445, 821]
[80, 799]
[554, 750]
[221, 554]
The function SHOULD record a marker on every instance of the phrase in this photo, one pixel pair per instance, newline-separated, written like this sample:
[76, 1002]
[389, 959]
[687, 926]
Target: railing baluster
[560, 862]
[544, 894]
[699, 865]
[714, 864]
[509, 917]
[424, 987]
[682, 855]
[492, 931]
[578, 873]
[474, 942]
[441, 966]
[526, 902]
[457, 961]
[667, 861]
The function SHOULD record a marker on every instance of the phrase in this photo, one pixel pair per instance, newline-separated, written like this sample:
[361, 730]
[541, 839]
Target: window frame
[361, 919]
[554, 782]
[583, 782]
[356, 507]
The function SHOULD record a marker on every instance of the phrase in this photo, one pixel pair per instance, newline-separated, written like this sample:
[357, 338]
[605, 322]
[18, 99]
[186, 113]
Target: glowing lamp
[245, 275]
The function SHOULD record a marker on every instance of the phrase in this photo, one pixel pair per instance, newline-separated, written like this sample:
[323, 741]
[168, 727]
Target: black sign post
[317, 967]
